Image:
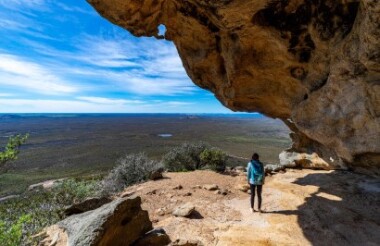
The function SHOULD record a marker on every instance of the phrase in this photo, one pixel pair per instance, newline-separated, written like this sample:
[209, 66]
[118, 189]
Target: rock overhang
[312, 63]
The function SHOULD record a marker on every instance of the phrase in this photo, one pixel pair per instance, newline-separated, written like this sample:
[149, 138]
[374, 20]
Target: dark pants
[253, 191]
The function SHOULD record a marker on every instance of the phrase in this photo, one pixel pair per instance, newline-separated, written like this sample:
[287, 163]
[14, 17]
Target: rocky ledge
[301, 207]
[312, 63]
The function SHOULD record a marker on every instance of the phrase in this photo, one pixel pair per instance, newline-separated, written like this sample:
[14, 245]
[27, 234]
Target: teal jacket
[255, 172]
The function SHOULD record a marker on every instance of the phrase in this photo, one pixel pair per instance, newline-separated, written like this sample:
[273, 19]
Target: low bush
[214, 159]
[185, 157]
[131, 169]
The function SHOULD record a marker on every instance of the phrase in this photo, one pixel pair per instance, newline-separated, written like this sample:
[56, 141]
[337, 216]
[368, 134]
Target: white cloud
[17, 72]
[25, 4]
[149, 67]
[102, 100]
[74, 8]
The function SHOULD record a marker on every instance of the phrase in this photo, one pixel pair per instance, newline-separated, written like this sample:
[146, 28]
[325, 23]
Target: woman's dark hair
[255, 156]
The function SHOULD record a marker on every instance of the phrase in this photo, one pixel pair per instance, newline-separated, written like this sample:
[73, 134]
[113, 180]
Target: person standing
[255, 176]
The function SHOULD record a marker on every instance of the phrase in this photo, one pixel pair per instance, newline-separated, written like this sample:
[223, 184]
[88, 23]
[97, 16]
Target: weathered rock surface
[120, 222]
[313, 64]
[87, 205]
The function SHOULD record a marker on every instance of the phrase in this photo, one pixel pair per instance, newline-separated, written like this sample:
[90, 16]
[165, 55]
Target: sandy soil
[302, 207]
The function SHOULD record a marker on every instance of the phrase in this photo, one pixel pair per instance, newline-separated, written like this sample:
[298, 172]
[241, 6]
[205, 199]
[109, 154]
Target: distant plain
[84, 145]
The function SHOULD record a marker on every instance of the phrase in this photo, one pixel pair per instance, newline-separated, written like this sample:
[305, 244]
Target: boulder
[184, 210]
[86, 205]
[312, 64]
[273, 168]
[46, 185]
[304, 160]
[120, 222]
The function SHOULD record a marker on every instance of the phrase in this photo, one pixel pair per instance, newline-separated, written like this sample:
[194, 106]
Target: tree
[12, 149]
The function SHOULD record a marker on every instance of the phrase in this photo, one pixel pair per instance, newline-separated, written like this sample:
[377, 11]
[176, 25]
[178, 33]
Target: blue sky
[61, 56]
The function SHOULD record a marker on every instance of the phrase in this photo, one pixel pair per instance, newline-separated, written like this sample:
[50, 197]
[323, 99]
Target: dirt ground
[301, 207]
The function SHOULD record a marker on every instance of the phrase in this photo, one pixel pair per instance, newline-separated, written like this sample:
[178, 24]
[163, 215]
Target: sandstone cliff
[312, 63]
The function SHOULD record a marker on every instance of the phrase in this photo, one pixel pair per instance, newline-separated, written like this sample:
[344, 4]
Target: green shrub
[12, 235]
[11, 150]
[185, 157]
[131, 169]
[214, 158]
[72, 191]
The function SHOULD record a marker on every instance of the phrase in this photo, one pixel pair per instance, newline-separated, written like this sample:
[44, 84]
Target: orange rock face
[312, 63]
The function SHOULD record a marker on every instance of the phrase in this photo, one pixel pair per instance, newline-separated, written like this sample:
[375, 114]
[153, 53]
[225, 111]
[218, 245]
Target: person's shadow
[345, 210]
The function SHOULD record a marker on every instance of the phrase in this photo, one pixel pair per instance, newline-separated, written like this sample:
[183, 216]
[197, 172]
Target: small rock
[157, 237]
[217, 192]
[223, 192]
[249, 191]
[184, 210]
[187, 194]
[211, 187]
[161, 211]
[243, 187]
[178, 187]
[197, 187]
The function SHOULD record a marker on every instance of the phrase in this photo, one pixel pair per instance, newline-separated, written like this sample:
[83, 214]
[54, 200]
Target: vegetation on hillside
[28, 214]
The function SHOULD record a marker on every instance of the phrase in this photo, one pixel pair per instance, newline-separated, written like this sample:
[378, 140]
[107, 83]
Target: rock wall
[315, 64]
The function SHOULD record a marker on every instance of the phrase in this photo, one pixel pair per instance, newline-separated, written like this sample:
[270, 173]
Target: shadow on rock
[343, 211]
